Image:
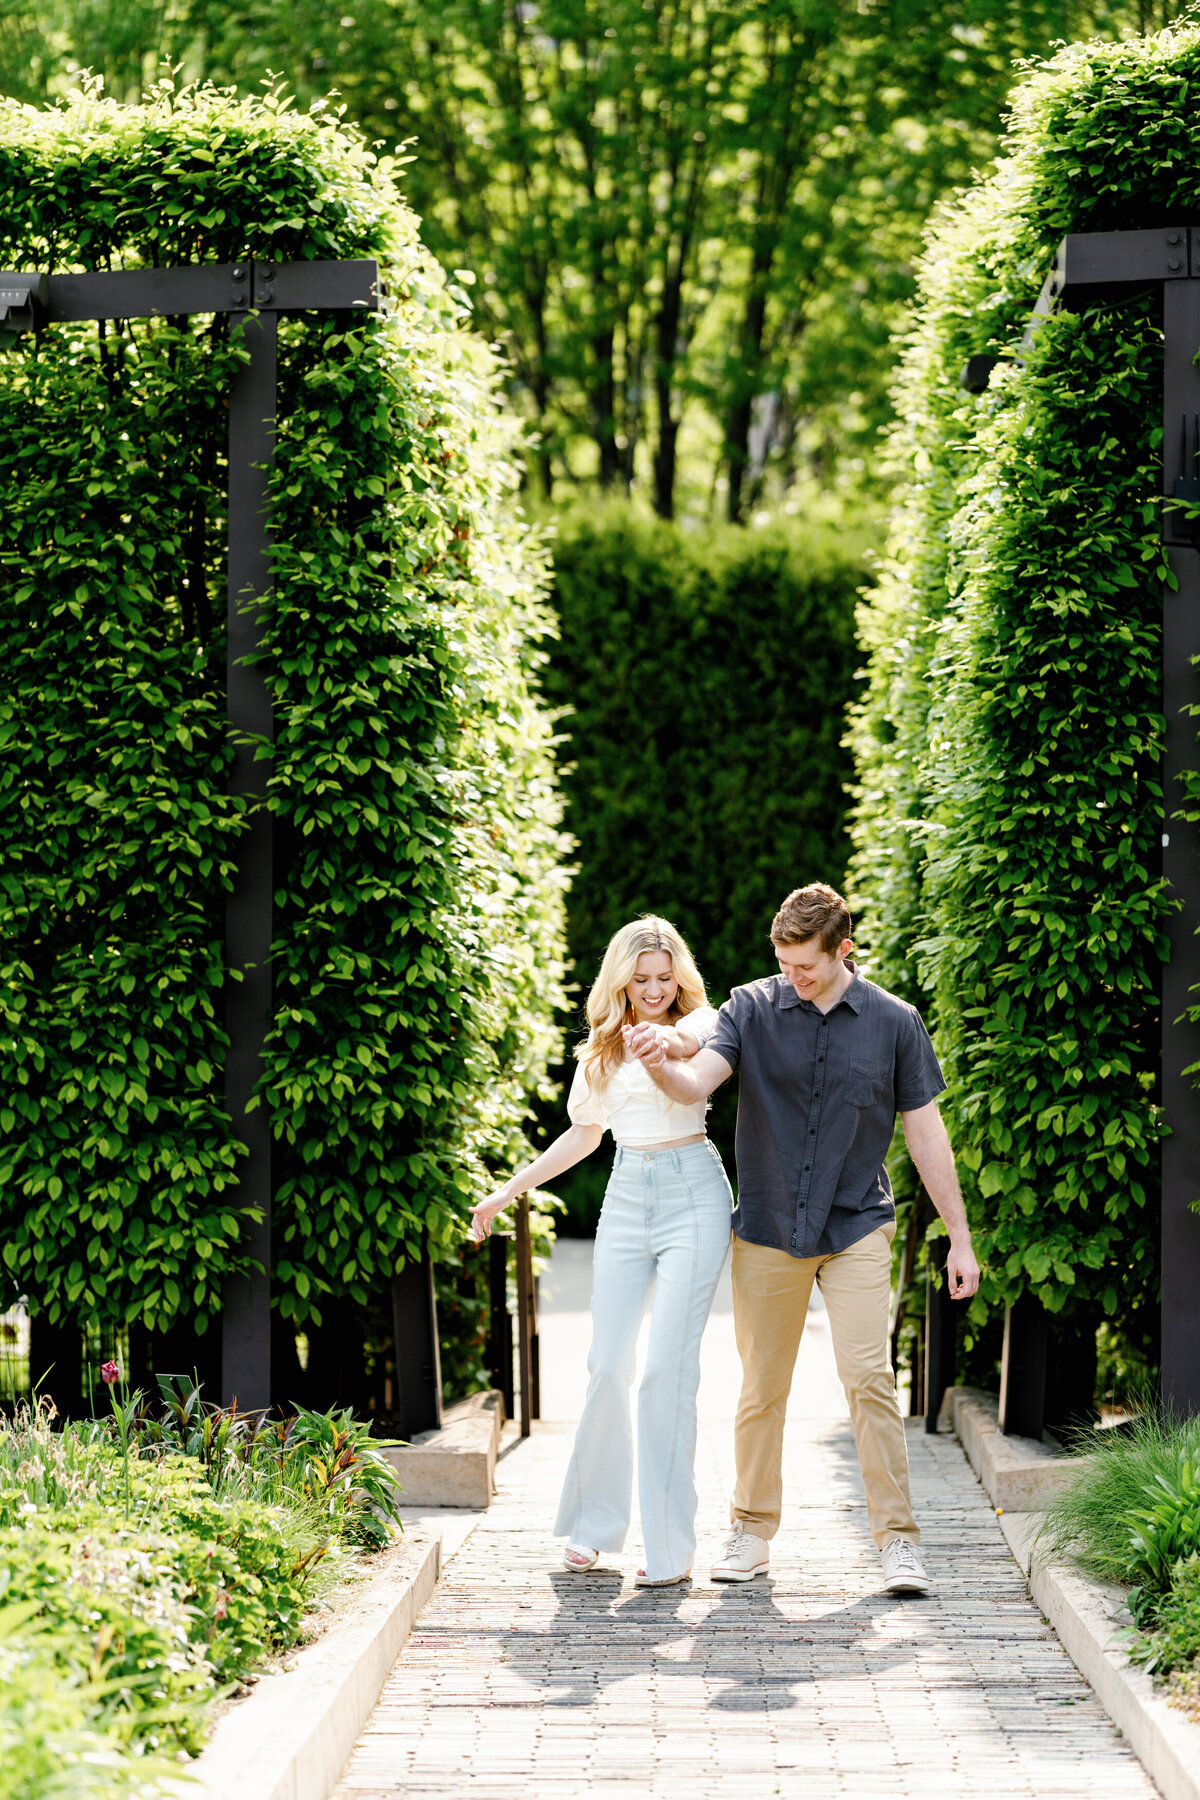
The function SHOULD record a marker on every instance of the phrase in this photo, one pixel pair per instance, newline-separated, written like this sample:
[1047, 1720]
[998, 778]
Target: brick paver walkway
[521, 1680]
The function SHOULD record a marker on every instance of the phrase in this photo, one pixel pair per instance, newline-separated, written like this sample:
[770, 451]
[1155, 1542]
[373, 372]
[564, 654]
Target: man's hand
[930, 1150]
[962, 1270]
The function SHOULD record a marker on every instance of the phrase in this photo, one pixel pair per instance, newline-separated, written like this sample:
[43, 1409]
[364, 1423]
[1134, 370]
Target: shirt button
[807, 1166]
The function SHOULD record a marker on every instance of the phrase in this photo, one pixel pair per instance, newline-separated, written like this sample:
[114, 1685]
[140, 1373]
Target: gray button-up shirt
[817, 1102]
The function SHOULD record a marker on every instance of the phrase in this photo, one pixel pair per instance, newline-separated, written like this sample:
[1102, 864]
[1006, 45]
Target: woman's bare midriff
[697, 1137]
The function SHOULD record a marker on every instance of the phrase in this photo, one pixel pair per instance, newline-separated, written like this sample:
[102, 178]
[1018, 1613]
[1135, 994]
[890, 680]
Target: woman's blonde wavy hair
[607, 1004]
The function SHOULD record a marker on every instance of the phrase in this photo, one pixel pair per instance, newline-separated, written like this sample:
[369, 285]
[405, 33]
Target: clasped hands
[646, 1043]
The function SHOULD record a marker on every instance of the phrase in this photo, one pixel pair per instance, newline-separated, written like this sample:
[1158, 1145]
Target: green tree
[691, 225]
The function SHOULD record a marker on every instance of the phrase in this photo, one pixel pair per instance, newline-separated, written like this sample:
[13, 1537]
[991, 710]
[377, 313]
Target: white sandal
[579, 1558]
[641, 1579]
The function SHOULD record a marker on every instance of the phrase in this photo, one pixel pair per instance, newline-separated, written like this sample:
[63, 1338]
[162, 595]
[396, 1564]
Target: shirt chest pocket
[868, 1083]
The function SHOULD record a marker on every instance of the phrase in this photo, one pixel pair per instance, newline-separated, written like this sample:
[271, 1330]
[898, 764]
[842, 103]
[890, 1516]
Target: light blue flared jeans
[665, 1223]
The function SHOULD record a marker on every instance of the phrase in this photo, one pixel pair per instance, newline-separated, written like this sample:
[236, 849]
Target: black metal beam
[317, 286]
[144, 293]
[269, 289]
[214, 288]
[246, 1308]
[1091, 267]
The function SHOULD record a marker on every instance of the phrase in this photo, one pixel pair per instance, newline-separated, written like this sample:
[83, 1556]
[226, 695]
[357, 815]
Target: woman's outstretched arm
[574, 1144]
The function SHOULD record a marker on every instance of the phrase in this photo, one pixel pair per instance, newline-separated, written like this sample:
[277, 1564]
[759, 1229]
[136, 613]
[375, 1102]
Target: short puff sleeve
[699, 1024]
[584, 1105]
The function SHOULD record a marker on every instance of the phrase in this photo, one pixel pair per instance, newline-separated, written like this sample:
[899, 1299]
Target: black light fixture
[977, 372]
[23, 300]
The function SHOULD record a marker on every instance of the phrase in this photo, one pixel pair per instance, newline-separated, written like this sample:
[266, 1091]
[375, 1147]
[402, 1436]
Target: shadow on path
[744, 1642]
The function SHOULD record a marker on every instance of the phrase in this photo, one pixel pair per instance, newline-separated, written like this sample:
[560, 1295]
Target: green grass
[1125, 1473]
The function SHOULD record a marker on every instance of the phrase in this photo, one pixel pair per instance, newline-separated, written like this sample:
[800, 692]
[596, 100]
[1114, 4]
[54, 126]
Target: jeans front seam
[676, 1416]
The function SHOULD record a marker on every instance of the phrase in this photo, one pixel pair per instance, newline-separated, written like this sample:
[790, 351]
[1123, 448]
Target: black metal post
[1101, 268]
[56, 1364]
[1023, 1368]
[535, 1348]
[246, 1310]
[525, 1323]
[500, 1344]
[418, 1357]
[1181, 867]
[940, 1337]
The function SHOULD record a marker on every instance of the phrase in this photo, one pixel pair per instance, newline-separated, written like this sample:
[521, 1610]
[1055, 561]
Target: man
[826, 1059]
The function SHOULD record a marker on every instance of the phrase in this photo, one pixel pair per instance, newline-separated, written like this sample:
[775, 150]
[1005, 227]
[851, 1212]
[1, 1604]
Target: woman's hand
[647, 1043]
[486, 1211]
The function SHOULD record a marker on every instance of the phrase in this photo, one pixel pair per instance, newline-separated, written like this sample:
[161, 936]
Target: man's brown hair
[812, 911]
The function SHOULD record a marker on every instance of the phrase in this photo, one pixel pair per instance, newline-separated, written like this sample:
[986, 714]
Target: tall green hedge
[706, 675]
[418, 956]
[1007, 745]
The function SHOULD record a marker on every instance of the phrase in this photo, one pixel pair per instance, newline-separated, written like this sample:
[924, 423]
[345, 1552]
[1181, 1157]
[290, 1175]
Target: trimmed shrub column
[419, 898]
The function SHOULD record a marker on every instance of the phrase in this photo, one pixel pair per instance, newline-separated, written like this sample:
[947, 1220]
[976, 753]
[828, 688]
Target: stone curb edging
[455, 1465]
[1166, 1743]
[291, 1738]
[1019, 1474]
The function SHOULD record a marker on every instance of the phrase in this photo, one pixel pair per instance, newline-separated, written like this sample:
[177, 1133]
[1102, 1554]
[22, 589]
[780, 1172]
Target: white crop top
[632, 1107]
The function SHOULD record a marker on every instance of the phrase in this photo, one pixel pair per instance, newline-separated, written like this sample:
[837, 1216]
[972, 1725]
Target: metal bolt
[239, 273]
[1173, 237]
[1174, 265]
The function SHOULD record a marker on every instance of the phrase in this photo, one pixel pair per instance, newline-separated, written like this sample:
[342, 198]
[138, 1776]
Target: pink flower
[109, 1373]
[222, 1606]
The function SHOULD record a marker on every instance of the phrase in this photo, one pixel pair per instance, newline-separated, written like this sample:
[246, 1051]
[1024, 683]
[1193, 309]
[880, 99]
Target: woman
[665, 1220]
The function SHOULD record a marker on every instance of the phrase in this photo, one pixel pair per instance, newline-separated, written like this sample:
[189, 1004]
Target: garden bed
[152, 1565]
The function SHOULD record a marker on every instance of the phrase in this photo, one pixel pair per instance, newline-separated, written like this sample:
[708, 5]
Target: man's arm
[686, 1082]
[930, 1150]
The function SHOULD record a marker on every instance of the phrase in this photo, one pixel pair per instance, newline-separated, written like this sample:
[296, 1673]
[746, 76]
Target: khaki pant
[771, 1292]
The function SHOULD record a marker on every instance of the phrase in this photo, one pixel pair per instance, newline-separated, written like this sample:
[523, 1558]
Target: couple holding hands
[825, 1060]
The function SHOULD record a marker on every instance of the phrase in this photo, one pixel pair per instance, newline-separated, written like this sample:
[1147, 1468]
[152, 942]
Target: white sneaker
[902, 1571]
[743, 1557]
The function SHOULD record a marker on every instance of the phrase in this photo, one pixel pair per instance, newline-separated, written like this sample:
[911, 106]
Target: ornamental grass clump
[1098, 1520]
[1132, 1517]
